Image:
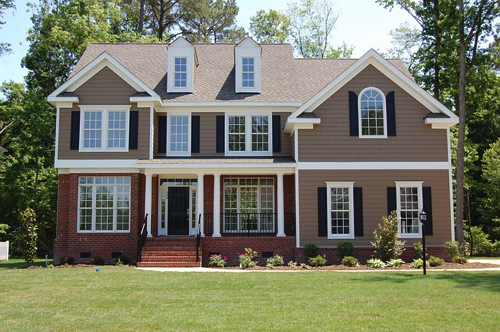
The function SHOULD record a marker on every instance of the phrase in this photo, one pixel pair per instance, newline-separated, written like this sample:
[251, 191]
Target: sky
[362, 23]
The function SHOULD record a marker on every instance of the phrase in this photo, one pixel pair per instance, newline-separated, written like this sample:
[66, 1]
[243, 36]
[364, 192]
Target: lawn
[126, 299]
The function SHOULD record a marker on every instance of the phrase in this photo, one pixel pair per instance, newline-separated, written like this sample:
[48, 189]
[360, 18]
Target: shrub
[97, 260]
[124, 259]
[418, 263]
[217, 261]
[451, 248]
[311, 250]
[247, 259]
[292, 264]
[480, 245]
[350, 261]
[26, 235]
[395, 262]
[459, 260]
[495, 249]
[387, 244]
[3, 232]
[67, 260]
[277, 260]
[418, 249]
[375, 263]
[435, 261]
[317, 261]
[345, 249]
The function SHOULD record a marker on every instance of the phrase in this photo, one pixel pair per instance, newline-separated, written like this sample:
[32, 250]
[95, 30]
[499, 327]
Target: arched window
[372, 113]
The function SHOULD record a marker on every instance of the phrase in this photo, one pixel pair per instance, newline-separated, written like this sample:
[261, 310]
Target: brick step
[169, 264]
[168, 258]
[171, 239]
[163, 252]
[169, 248]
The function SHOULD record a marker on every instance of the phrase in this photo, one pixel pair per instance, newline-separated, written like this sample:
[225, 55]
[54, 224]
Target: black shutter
[358, 211]
[133, 133]
[162, 134]
[195, 134]
[353, 114]
[220, 134]
[391, 114]
[427, 206]
[322, 212]
[391, 200]
[75, 131]
[276, 133]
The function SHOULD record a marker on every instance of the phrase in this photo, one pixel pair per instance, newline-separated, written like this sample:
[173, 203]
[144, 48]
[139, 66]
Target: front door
[178, 211]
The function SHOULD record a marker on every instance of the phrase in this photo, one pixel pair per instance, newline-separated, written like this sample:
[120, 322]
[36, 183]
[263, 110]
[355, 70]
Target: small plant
[387, 244]
[453, 248]
[418, 249]
[305, 266]
[375, 263]
[247, 259]
[119, 262]
[459, 260]
[317, 261]
[292, 264]
[277, 260]
[418, 263]
[495, 249]
[67, 260]
[435, 261]
[350, 261]
[124, 259]
[395, 262]
[97, 260]
[217, 261]
[345, 249]
[311, 250]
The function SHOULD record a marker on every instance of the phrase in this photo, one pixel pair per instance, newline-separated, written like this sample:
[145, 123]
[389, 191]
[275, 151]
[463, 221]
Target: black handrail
[198, 239]
[143, 235]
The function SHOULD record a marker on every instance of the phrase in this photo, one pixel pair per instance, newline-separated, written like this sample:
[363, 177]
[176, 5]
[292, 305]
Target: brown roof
[284, 78]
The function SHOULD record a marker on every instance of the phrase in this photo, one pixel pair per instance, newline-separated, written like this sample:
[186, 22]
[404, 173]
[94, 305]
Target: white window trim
[180, 52]
[248, 135]
[247, 52]
[181, 72]
[94, 209]
[104, 126]
[169, 132]
[360, 120]
[248, 72]
[329, 186]
[417, 184]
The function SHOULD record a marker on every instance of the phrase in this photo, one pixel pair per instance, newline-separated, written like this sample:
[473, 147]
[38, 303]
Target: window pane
[408, 197]
[260, 133]
[339, 210]
[92, 126]
[247, 72]
[180, 72]
[117, 129]
[372, 114]
[179, 134]
[236, 133]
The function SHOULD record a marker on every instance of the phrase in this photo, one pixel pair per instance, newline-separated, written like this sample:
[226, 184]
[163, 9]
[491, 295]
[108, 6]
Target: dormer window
[181, 65]
[248, 66]
[180, 72]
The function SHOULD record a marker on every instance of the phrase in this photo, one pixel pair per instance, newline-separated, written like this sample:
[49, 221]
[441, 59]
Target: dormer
[181, 64]
[247, 58]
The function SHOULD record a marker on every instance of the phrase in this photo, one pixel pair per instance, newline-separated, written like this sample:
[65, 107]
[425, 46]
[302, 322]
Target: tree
[26, 235]
[210, 21]
[491, 174]
[406, 42]
[4, 5]
[271, 27]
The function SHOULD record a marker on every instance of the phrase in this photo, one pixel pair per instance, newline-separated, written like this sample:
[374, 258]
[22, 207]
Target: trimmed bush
[459, 260]
[350, 261]
[217, 261]
[124, 259]
[277, 260]
[247, 259]
[317, 261]
[97, 260]
[495, 249]
[418, 249]
[345, 249]
[311, 250]
[67, 260]
[435, 261]
[387, 244]
[418, 263]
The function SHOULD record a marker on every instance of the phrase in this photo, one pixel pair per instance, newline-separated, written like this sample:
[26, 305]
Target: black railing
[143, 235]
[248, 223]
[198, 239]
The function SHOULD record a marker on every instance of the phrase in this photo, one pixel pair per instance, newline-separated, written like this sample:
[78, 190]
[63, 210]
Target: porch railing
[247, 223]
[143, 235]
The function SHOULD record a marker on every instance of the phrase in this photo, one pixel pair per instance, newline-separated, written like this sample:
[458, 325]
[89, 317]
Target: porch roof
[219, 162]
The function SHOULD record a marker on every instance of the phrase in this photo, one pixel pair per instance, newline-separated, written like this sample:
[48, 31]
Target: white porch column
[216, 217]
[148, 199]
[281, 207]
[199, 203]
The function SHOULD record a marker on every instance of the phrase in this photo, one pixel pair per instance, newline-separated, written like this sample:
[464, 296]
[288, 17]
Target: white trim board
[371, 165]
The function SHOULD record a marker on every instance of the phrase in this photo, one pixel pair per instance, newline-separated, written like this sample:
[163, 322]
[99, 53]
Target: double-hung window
[105, 128]
[248, 135]
[409, 203]
[180, 72]
[373, 113]
[179, 137]
[104, 204]
[340, 202]
[248, 73]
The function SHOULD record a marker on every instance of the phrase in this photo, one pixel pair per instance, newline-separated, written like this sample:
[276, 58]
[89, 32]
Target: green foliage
[459, 260]
[454, 248]
[97, 260]
[217, 261]
[292, 264]
[478, 241]
[395, 262]
[435, 261]
[247, 259]
[124, 259]
[419, 263]
[276, 260]
[418, 249]
[350, 261]
[387, 244]
[375, 263]
[491, 177]
[26, 236]
[345, 249]
[67, 260]
[271, 27]
[4, 5]
[3, 232]
[311, 250]
[495, 249]
[317, 261]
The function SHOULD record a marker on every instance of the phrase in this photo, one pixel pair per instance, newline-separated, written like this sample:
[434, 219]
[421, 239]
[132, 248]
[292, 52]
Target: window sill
[338, 237]
[103, 150]
[410, 236]
[102, 232]
[372, 136]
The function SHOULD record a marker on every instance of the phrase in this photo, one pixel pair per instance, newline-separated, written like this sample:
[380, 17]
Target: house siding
[374, 184]
[330, 141]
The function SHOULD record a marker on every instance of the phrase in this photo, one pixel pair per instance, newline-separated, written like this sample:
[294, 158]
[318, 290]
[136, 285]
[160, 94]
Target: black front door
[178, 216]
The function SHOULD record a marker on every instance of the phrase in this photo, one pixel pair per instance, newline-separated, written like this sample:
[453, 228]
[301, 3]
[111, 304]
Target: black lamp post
[422, 216]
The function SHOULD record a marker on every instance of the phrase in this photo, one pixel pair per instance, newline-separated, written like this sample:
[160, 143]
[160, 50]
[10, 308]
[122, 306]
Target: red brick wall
[71, 243]
[154, 202]
[289, 202]
[208, 204]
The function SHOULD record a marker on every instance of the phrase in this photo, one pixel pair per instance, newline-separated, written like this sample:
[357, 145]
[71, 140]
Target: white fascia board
[103, 60]
[145, 99]
[96, 164]
[60, 104]
[54, 100]
[226, 171]
[296, 123]
[231, 104]
[275, 167]
[374, 165]
[373, 58]
[441, 123]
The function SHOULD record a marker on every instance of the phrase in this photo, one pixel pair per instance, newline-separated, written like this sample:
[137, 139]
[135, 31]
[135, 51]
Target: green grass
[19, 263]
[126, 299]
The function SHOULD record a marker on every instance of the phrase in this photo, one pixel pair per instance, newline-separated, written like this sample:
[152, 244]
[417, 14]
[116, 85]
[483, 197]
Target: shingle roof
[284, 78]
[436, 116]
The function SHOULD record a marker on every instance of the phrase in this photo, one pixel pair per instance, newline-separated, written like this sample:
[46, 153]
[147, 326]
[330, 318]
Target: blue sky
[362, 23]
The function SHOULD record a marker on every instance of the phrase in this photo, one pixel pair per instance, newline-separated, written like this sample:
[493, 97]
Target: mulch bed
[406, 266]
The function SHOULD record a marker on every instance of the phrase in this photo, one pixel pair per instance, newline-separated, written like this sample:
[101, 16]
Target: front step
[169, 252]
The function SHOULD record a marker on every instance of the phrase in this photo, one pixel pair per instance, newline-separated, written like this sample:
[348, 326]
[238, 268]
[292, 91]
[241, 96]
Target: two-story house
[248, 147]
